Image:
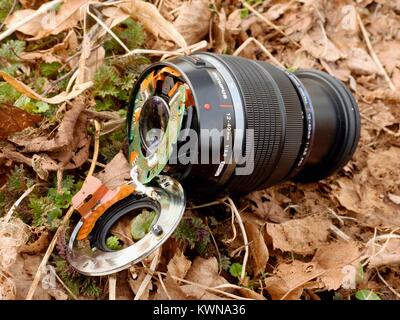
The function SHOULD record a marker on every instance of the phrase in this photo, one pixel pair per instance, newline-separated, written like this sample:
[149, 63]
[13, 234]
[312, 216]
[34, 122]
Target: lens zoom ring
[263, 110]
[294, 126]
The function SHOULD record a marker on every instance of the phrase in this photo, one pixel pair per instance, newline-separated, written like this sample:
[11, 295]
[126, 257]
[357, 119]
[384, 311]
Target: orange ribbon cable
[94, 199]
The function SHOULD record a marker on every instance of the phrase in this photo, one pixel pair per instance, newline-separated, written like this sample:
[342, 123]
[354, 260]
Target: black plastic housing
[306, 124]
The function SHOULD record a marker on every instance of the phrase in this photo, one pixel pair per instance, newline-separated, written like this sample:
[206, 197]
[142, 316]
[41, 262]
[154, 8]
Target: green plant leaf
[7, 93]
[367, 295]
[113, 243]
[50, 70]
[142, 223]
[236, 270]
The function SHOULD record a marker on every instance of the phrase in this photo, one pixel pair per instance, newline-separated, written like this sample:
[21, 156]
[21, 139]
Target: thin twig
[268, 22]
[64, 285]
[147, 278]
[244, 234]
[392, 133]
[373, 54]
[108, 30]
[212, 289]
[63, 223]
[10, 212]
[9, 13]
[112, 286]
[397, 294]
[163, 286]
[216, 248]
[44, 8]
[262, 47]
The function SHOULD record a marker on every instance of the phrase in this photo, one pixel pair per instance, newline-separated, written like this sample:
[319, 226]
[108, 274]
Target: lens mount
[170, 204]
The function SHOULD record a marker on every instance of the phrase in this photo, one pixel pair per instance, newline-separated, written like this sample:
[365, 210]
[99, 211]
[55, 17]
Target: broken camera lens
[233, 125]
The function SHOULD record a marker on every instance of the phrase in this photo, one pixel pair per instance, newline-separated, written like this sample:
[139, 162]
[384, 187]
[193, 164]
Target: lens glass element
[153, 122]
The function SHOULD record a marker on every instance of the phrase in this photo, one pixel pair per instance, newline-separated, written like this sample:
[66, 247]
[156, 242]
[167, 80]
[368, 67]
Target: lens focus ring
[264, 107]
[294, 127]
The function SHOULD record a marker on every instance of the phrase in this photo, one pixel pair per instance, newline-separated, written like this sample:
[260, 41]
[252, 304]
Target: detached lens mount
[169, 202]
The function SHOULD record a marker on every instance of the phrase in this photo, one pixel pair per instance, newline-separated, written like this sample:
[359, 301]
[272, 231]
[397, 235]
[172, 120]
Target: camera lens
[247, 125]
[153, 122]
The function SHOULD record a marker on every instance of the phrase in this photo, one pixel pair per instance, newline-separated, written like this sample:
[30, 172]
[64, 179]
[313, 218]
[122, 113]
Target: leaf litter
[304, 241]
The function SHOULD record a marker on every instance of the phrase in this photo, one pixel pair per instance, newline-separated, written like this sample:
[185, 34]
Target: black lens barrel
[305, 125]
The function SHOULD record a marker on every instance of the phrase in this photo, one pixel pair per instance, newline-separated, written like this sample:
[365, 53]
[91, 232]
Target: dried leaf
[23, 271]
[219, 27]
[193, 21]
[333, 257]
[325, 271]
[359, 61]
[258, 249]
[64, 96]
[153, 21]
[51, 22]
[205, 272]
[116, 172]
[58, 53]
[13, 235]
[234, 21]
[172, 291]
[266, 206]
[367, 202]
[179, 265]
[63, 137]
[37, 246]
[122, 229]
[319, 46]
[302, 236]
[15, 119]
[389, 54]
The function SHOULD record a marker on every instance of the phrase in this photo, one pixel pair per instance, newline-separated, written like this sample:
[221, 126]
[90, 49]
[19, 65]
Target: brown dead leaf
[319, 46]
[63, 137]
[204, 272]
[76, 90]
[57, 294]
[266, 206]
[385, 166]
[116, 172]
[193, 21]
[367, 202]
[172, 291]
[302, 236]
[389, 54]
[179, 265]
[13, 234]
[23, 271]
[234, 21]
[258, 249]
[218, 31]
[58, 53]
[7, 287]
[49, 23]
[38, 246]
[15, 119]
[148, 14]
[359, 61]
[136, 283]
[325, 271]
[277, 288]
[122, 229]
[333, 257]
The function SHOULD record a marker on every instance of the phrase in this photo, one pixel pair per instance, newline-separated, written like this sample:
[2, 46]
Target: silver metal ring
[170, 195]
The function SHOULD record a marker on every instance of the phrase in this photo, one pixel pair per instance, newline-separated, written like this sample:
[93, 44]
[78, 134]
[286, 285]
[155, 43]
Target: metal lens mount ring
[170, 196]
